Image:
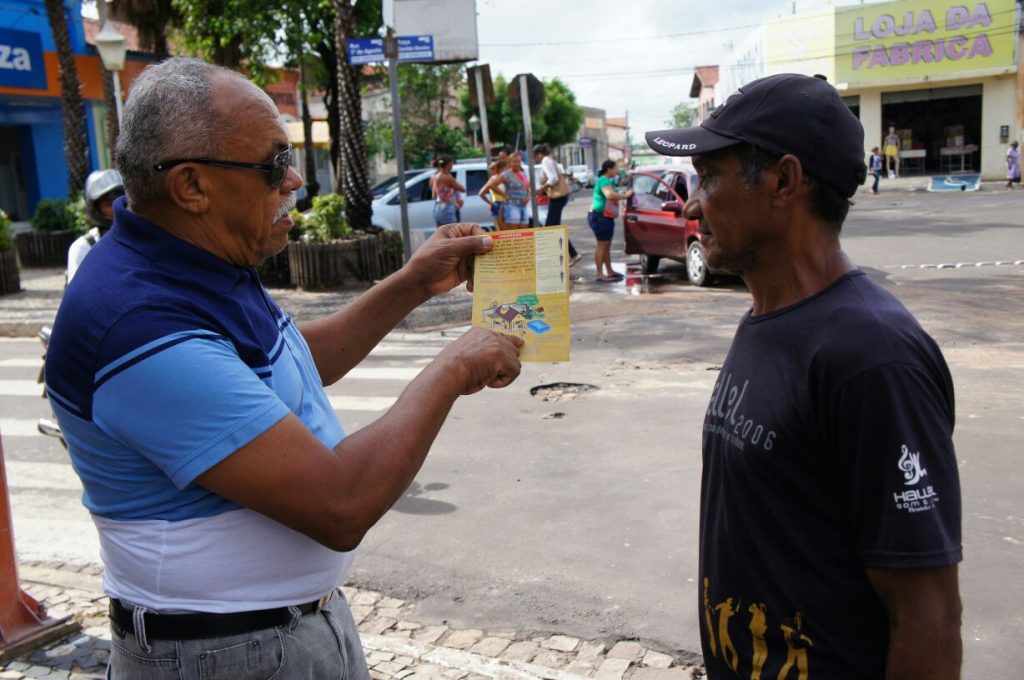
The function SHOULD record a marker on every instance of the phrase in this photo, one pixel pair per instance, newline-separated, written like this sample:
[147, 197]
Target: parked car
[654, 224]
[472, 175]
[582, 175]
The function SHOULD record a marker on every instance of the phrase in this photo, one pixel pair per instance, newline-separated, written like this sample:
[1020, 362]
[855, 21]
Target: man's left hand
[446, 259]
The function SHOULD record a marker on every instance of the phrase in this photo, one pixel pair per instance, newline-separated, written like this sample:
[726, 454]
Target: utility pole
[391, 52]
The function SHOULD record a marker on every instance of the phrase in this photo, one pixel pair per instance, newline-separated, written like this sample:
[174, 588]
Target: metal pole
[117, 95]
[524, 97]
[482, 104]
[391, 52]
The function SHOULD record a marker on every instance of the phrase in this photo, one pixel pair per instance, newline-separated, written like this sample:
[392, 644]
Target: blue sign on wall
[21, 60]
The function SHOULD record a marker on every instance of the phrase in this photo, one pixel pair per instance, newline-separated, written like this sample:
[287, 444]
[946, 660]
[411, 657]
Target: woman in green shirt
[603, 225]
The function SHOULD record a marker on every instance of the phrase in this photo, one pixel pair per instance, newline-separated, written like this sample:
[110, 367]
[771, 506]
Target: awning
[321, 133]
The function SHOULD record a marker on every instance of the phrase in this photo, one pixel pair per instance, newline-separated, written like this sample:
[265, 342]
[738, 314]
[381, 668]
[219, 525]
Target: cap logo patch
[672, 145]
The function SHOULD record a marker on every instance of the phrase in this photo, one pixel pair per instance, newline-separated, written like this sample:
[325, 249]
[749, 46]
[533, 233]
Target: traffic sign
[534, 89]
[371, 50]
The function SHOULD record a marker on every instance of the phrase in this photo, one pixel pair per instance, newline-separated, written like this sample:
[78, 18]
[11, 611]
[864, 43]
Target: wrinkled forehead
[246, 110]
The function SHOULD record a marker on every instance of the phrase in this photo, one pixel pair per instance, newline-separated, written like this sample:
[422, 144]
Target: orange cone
[24, 625]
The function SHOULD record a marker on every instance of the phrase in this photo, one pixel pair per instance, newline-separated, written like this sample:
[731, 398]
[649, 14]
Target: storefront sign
[918, 38]
[21, 60]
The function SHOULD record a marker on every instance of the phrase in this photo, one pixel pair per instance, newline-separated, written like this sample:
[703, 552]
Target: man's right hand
[484, 359]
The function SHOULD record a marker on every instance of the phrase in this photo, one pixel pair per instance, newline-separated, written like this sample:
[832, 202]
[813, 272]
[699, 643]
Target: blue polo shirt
[164, 361]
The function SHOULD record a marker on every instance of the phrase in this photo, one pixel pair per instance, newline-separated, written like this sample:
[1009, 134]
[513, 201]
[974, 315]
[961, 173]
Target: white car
[582, 175]
[472, 175]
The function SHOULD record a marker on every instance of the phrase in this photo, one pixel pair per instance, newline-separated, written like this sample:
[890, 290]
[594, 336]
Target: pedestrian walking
[516, 204]
[830, 495]
[493, 192]
[875, 166]
[892, 153]
[445, 190]
[1012, 164]
[604, 208]
[554, 184]
[227, 496]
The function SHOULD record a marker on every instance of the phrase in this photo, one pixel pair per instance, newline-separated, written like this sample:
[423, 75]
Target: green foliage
[683, 116]
[392, 241]
[326, 221]
[557, 122]
[57, 214]
[6, 237]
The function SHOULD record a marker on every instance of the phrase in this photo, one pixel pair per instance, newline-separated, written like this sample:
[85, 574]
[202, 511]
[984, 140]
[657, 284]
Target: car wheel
[696, 267]
[649, 264]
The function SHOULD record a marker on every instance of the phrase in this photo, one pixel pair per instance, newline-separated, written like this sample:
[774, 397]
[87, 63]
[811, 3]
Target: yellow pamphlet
[522, 288]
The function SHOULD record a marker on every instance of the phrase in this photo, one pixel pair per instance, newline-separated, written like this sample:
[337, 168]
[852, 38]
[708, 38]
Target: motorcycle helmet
[99, 185]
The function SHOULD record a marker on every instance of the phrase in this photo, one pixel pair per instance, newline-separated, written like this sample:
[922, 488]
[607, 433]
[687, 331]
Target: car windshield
[392, 182]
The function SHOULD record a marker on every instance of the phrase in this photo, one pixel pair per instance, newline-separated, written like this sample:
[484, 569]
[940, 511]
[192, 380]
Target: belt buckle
[322, 603]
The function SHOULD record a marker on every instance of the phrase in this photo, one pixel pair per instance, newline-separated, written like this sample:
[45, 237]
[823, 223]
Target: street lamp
[112, 48]
[474, 125]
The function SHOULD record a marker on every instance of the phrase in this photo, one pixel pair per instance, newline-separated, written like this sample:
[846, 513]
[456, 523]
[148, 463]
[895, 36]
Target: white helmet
[101, 184]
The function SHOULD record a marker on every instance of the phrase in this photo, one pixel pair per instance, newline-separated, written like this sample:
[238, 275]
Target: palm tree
[151, 18]
[75, 135]
[353, 168]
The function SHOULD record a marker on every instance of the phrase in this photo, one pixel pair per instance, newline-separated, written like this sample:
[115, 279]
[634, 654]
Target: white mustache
[286, 207]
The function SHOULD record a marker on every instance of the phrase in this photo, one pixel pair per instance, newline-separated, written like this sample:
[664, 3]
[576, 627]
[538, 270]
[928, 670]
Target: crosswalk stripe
[26, 474]
[388, 349]
[345, 403]
[18, 427]
[21, 363]
[20, 388]
[383, 373]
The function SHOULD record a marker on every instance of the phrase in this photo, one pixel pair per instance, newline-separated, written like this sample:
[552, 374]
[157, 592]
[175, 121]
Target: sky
[634, 56]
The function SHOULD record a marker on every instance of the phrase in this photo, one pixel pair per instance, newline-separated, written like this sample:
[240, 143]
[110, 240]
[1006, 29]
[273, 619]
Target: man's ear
[188, 189]
[790, 178]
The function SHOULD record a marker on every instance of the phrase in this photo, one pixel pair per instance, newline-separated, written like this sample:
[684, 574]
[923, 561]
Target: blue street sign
[21, 60]
[371, 50]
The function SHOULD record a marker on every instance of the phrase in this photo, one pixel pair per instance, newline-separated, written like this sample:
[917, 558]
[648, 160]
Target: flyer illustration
[522, 288]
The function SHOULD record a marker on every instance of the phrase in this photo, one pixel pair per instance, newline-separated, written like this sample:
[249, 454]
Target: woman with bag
[446, 190]
[556, 186]
[601, 218]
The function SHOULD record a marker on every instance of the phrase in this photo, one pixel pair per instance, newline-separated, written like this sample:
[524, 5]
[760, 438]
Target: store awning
[321, 133]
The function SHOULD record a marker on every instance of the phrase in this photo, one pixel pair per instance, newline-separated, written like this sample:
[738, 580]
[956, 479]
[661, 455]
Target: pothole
[561, 391]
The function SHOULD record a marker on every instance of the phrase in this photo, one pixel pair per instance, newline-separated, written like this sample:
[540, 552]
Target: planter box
[316, 266]
[274, 271]
[10, 276]
[44, 248]
[319, 266]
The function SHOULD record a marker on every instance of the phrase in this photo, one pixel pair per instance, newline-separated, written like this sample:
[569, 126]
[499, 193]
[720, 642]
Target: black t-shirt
[827, 450]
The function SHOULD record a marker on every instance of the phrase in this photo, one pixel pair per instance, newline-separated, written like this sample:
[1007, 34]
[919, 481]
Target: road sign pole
[391, 52]
[524, 89]
[480, 99]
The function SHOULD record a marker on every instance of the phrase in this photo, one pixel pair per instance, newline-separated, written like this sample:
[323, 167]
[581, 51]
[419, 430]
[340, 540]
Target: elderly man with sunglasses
[227, 497]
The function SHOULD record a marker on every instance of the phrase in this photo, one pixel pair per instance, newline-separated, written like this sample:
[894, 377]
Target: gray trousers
[322, 644]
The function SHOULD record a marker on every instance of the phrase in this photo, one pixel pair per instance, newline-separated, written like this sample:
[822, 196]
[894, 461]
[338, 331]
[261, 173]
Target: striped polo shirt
[165, 360]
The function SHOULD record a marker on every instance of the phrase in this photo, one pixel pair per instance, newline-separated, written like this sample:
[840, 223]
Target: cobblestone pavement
[397, 646]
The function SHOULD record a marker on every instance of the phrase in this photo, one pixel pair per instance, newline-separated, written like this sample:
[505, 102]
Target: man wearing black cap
[830, 497]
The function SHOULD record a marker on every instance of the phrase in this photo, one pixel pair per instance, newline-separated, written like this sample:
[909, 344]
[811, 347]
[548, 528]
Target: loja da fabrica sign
[904, 35]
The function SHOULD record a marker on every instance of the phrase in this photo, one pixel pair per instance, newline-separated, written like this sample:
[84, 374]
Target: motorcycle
[47, 426]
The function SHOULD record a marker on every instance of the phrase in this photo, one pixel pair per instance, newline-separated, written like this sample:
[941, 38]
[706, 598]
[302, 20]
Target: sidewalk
[21, 314]
[397, 646]
[917, 183]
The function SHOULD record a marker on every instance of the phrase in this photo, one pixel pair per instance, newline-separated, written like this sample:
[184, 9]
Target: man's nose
[292, 181]
[691, 209]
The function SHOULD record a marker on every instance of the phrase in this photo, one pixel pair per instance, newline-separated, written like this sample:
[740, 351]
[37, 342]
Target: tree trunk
[312, 185]
[76, 139]
[353, 173]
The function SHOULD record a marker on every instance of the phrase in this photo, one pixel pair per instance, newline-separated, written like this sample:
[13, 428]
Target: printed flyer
[522, 288]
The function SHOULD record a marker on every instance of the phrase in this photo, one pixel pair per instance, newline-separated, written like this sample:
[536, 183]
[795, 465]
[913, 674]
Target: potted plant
[10, 276]
[55, 225]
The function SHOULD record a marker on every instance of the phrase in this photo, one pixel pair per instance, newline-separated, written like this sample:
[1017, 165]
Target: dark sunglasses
[277, 170]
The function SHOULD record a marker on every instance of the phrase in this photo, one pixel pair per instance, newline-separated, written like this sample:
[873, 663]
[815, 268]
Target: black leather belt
[195, 626]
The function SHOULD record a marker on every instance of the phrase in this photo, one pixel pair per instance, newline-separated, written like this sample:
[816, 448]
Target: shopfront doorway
[939, 129]
[13, 190]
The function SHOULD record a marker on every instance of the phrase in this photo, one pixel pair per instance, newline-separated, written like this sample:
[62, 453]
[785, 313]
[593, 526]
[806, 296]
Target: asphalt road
[580, 515]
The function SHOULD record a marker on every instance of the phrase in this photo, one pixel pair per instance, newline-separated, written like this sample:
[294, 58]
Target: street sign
[534, 88]
[488, 85]
[371, 50]
[586, 141]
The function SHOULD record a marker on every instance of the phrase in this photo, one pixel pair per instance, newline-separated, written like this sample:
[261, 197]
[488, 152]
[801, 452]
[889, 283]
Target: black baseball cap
[782, 114]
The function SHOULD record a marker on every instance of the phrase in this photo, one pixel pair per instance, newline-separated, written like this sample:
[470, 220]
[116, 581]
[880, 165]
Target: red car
[654, 224]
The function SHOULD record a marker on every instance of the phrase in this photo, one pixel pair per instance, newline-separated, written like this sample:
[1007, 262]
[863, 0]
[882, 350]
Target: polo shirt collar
[169, 251]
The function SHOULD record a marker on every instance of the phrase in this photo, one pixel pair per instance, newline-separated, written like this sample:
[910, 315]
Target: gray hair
[169, 114]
